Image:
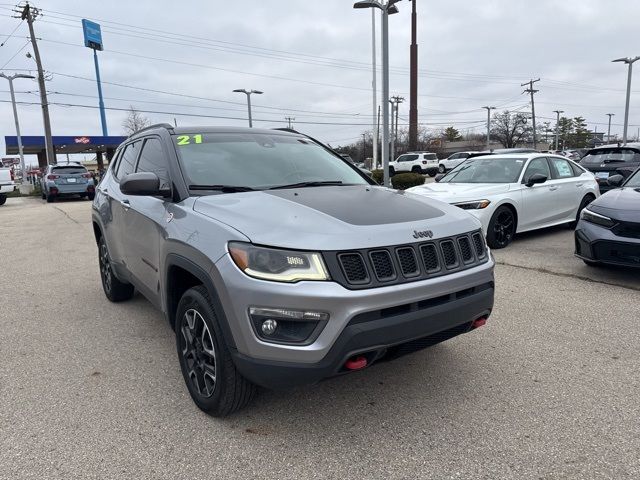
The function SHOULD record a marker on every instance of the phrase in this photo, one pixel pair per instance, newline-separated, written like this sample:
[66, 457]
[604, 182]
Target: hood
[460, 192]
[334, 217]
[621, 204]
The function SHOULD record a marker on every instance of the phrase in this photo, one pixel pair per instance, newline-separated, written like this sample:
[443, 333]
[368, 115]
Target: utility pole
[290, 119]
[374, 86]
[489, 124]
[413, 87]
[248, 93]
[609, 128]
[29, 14]
[392, 148]
[557, 112]
[395, 101]
[364, 148]
[531, 91]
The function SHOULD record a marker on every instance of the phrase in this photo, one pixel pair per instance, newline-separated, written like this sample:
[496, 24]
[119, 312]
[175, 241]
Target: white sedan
[516, 193]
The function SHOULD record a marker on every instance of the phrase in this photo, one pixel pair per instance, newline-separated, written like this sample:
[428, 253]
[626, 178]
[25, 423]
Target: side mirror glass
[143, 184]
[615, 180]
[439, 177]
[536, 178]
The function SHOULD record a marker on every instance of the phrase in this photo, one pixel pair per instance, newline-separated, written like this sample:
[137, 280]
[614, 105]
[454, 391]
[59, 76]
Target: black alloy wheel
[198, 353]
[114, 289]
[502, 228]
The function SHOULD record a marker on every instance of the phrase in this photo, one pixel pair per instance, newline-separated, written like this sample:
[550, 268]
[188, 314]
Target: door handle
[553, 188]
[125, 204]
[579, 184]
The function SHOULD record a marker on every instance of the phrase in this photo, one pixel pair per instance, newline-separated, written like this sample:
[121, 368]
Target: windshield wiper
[309, 184]
[222, 188]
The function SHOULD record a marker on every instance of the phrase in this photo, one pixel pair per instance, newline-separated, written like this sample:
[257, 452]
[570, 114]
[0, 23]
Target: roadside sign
[92, 34]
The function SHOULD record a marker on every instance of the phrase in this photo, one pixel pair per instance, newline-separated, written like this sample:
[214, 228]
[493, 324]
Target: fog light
[284, 325]
[269, 326]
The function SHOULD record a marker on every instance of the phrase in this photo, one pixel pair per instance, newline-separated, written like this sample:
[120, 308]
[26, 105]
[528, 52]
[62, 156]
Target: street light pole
[375, 88]
[489, 124]
[387, 9]
[248, 94]
[25, 187]
[609, 129]
[557, 112]
[629, 61]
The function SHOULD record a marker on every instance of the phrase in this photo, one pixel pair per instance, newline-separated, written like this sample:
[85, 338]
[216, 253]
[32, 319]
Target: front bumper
[598, 244]
[370, 320]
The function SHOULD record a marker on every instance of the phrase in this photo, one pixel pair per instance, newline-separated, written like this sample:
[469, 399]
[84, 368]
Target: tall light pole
[374, 85]
[629, 61]
[489, 124]
[387, 8]
[557, 112]
[609, 129]
[413, 82]
[248, 94]
[25, 187]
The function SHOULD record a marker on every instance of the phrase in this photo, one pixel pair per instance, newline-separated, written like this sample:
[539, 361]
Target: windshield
[486, 170]
[611, 155]
[634, 180]
[259, 161]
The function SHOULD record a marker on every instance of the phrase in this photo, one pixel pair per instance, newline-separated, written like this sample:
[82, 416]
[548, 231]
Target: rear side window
[454, 156]
[127, 162]
[431, 156]
[408, 158]
[577, 171]
[153, 159]
[562, 168]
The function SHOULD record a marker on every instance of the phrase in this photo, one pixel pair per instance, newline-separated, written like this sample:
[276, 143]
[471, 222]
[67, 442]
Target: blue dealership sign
[92, 34]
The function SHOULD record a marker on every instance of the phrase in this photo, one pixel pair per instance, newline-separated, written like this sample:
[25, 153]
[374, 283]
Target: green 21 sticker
[186, 139]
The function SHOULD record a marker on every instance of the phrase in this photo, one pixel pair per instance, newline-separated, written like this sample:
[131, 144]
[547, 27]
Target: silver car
[279, 263]
[64, 180]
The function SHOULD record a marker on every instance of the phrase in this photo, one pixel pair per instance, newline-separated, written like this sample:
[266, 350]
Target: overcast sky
[313, 62]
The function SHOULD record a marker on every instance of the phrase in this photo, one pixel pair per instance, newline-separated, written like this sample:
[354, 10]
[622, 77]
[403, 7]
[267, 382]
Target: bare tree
[510, 129]
[134, 121]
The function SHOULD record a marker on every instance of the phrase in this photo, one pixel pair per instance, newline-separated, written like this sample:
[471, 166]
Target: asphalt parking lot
[88, 389]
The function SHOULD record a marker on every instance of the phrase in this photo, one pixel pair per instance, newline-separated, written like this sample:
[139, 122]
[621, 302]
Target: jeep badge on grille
[422, 234]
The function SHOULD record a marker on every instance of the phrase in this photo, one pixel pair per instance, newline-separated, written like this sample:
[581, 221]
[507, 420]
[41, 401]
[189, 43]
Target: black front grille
[430, 257]
[617, 252]
[353, 268]
[406, 263]
[627, 229]
[465, 249]
[382, 265]
[449, 253]
[478, 243]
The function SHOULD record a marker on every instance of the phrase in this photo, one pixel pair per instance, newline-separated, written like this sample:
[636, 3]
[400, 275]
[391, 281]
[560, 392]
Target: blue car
[69, 179]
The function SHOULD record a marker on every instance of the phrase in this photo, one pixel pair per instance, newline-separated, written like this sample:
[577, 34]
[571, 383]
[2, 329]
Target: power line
[11, 34]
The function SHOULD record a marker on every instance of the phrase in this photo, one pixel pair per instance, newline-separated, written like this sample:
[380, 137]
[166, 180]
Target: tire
[432, 174]
[50, 198]
[416, 170]
[585, 201]
[214, 384]
[114, 289]
[43, 195]
[441, 169]
[3, 199]
[502, 228]
[91, 196]
[392, 171]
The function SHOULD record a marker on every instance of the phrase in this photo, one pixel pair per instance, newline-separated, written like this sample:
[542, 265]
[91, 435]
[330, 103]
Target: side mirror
[536, 178]
[439, 177]
[143, 184]
[615, 180]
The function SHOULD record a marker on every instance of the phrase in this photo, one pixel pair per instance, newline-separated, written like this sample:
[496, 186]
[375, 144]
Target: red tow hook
[356, 363]
[479, 322]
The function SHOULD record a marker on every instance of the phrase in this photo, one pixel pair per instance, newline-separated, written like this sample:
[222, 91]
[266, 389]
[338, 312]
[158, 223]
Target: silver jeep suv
[277, 262]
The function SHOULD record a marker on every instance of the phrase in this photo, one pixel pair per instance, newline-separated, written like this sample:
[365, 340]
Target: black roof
[210, 129]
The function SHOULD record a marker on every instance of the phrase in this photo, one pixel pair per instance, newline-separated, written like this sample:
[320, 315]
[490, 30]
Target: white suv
[416, 162]
[453, 161]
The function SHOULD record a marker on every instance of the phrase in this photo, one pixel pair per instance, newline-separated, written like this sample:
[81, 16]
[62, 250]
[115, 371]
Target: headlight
[593, 217]
[477, 205]
[278, 265]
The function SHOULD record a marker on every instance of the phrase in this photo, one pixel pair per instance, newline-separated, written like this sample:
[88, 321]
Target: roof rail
[168, 126]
